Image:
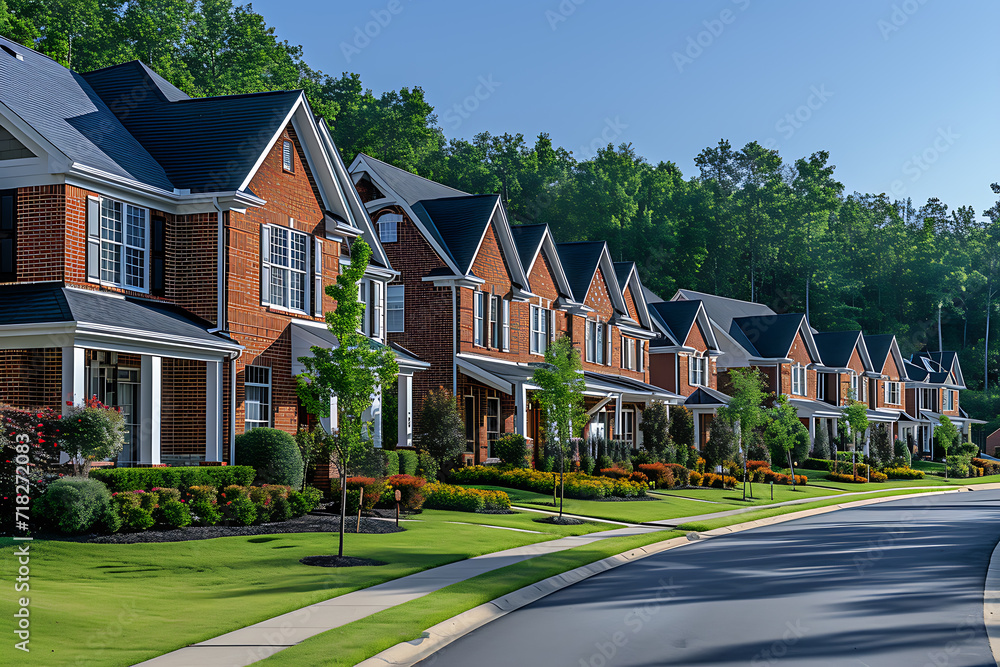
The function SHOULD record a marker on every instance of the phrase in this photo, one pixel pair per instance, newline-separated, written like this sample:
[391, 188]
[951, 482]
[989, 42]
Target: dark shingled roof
[836, 347]
[769, 337]
[650, 295]
[580, 261]
[63, 108]
[722, 310]
[39, 303]
[677, 316]
[527, 239]
[204, 144]
[706, 396]
[458, 224]
[914, 372]
[410, 187]
[878, 346]
[622, 271]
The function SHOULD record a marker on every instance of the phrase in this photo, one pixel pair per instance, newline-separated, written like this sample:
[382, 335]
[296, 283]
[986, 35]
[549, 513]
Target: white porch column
[697, 430]
[74, 376]
[150, 391]
[404, 393]
[213, 410]
[618, 416]
[376, 415]
[812, 431]
[521, 409]
[331, 423]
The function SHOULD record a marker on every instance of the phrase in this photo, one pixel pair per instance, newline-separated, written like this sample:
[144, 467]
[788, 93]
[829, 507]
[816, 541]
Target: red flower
[69, 403]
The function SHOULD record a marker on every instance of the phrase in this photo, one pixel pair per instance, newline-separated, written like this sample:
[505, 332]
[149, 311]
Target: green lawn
[354, 642]
[121, 604]
[928, 466]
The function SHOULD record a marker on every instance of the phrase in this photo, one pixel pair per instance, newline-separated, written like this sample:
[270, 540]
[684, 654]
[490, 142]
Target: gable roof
[880, 346]
[458, 224]
[723, 310]
[204, 144]
[771, 337]
[940, 366]
[581, 260]
[837, 347]
[406, 185]
[676, 319]
[528, 241]
[64, 111]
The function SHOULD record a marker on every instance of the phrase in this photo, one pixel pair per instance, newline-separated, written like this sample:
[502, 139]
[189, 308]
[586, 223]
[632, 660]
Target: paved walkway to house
[256, 642]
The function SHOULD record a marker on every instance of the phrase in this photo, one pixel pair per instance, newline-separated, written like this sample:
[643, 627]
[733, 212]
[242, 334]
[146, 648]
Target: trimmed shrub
[577, 485]
[442, 430]
[136, 509]
[903, 473]
[512, 449]
[877, 476]
[988, 467]
[273, 454]
[427, 466]
[305, 501]
[841, 477]
[638, 478]
[407, 462]
[680, 474]
[755, 465]
[681, 427]
[131, 479]
[391, 463]
[410, 491]
[692, 460]
[694, 478]
[718, 481]
[821, 447]
[659, 473]
[615, 473]
[818, 464]
[655, 429]
[174, 514]
[780, 478]
[451, 497]
[586, 464]
[76, 505]
[902, 458]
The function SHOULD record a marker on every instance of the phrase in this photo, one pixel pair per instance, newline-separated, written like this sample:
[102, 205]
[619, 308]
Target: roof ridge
[366, 156]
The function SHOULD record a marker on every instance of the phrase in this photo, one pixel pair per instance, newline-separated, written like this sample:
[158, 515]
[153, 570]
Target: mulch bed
[338, 561]
[563, 521]
[310, 523]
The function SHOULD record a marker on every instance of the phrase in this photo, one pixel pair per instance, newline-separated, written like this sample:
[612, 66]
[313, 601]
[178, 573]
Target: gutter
[454, 341]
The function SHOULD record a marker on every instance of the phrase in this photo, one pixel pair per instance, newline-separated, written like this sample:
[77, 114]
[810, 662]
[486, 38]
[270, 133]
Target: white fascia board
[379, 273]
[469, 282]
[507, 244]
[377, 204]
[360, 164]
[610, 279]
[637, 332]
[866, 360]
[549, 245]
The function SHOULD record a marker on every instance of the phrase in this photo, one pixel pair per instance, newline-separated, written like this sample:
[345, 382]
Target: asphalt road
[892, 584]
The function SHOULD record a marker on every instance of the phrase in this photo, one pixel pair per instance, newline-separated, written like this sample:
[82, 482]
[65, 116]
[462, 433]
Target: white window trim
[307, 272]
[146, 269]
[800, 382]
[288, 165]
[270, 397]
[630, 436]
[401, 291]
[542, 331]
[478, 318]
[386, 219]
[505, 324]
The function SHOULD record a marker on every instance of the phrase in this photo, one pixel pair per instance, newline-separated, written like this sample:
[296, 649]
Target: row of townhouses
[169, 254]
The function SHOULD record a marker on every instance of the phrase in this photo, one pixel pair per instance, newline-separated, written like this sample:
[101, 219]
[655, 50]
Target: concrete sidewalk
[256, 642]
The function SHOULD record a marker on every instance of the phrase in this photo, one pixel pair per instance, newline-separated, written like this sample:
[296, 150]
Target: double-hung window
[505, 324]
[596, 347]
[387, 227]
[257, 399]
[288, 259]
[854, 387]
[395, 309]
[949, 400]
[892, 393]
[479, 318]
[696, 371]
[628, 426]
[629, 350]
[539, 330]
[798, 380]
[124, 244]
[492, 423]
[375, 330]
[495, 333]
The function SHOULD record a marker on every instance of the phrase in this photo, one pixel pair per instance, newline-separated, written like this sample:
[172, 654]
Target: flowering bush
[577, 485]
[462, 499]
[988, 467]
[373, 487]
[694, 478]
[877, 476]
[718, 481]
[203, 504]
[615, 473]
[639, 478]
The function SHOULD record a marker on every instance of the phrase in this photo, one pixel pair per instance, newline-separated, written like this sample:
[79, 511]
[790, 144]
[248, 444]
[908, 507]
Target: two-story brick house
[481, 300]
[168, 254]
[933, 383]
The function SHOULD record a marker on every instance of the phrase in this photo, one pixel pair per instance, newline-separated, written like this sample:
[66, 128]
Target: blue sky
[903, 93]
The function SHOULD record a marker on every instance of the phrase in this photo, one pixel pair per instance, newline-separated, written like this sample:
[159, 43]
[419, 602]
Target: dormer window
[387, 227]
[286, 156]
[697, 370]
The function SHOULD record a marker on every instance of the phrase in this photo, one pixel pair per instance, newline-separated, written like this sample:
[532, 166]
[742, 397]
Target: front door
[117, 386]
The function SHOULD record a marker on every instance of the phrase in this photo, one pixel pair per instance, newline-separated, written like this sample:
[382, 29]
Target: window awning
[805, 407]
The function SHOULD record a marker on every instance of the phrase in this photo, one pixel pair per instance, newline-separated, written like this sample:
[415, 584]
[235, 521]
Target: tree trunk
[791, 466]
[562, 488]
[343, 506]
[986, 354]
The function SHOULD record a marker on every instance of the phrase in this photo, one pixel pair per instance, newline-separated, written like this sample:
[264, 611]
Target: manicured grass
[761, 495]
[354, 642]
[927, 466]
[122, 604]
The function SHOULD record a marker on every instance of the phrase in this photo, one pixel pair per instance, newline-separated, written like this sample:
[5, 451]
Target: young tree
[881, 445]
[721, 445]
[782, 431]
[654, 428]
[856, 416]
[946, 435]
[560, 396]
[821, 448]
[442, 432]
[92, 432]
[744, 410]
[354, 372]
[682, 427]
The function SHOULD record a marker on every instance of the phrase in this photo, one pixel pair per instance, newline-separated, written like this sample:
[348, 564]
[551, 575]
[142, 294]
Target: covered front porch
[161, 366]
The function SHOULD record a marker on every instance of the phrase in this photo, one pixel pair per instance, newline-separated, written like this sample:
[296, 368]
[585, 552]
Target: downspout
[232, 407]
[220, 271]
[454, 341]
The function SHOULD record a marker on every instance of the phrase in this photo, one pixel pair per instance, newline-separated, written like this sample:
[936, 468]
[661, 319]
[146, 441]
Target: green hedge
[407, 462]
[461, 499]
[818, 464]
[391, 463]
[133, 479]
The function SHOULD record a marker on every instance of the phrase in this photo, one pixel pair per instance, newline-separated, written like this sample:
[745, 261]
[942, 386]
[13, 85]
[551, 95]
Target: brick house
[480, 300]
[168, 254]
[933, 383]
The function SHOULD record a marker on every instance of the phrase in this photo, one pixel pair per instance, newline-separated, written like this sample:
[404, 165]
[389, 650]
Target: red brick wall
[31, 378]
[42, 226]
[800, 354]
[192, 264]
[182, 411]
[858, 367]
[661, 371]
[633, 310]
[265, 331]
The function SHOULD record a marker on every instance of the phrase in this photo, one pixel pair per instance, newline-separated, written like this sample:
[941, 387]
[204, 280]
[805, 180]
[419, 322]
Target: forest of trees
[750, 224]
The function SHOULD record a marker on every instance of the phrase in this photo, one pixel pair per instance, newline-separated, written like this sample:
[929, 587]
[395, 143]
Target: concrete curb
[441, 635]
[991, 603]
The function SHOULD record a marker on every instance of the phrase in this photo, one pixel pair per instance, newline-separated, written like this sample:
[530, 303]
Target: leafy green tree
[946, 436]
[856, 417]
[721, 445]
[781, 432]
[354, 371]
[654, 428]
[92, 432]
[881, 446]
[745, 409]
[560, 396]
[681, 427]
[821, 446]
[442, 431]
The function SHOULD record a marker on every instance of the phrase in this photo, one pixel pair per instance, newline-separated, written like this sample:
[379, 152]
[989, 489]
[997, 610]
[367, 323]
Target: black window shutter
[8, 236]
[158, 255]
